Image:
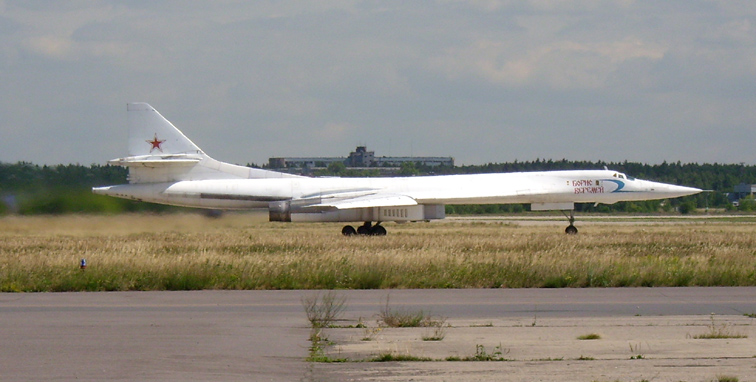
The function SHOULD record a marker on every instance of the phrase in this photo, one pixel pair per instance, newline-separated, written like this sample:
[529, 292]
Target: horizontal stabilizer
[155, 161]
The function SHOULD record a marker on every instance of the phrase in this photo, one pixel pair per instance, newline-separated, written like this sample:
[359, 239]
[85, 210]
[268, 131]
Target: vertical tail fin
[151, 134]
[159, 152]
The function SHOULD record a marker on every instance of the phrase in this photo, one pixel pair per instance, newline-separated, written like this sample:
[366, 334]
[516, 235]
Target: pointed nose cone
[673, 191]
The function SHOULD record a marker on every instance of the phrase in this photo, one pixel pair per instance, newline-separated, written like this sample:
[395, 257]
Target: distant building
[360, 157]
[303, 162]
[741, 191]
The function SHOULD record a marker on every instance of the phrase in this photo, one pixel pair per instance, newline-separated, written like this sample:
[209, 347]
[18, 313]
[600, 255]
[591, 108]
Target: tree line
[30, 189]
[26, 188]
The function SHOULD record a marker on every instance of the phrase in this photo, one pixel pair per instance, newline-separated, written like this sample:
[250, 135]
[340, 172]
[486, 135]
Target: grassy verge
[184, 252]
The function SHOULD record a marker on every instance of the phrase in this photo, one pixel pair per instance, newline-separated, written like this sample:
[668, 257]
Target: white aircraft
[166, 167]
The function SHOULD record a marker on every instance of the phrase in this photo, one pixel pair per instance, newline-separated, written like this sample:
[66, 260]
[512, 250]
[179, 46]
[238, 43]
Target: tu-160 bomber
[166, 167]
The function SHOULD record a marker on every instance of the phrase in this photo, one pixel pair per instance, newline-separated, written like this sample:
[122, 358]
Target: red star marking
[155, 142]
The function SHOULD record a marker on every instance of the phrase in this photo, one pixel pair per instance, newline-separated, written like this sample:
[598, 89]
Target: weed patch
[481, 354]
[323, 310]
[318, 344]
[636, 350]
[393, 357]
[371, 333]
[405, 318]
[436, 331]
[722, 331]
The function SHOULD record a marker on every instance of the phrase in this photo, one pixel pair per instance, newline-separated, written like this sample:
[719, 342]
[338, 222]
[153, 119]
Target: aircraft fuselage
[578, 186]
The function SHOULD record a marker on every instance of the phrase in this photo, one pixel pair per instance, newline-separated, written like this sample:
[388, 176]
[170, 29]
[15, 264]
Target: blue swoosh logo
[620, 184]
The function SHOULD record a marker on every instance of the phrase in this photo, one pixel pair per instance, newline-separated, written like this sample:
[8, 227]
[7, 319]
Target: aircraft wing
[373, 200]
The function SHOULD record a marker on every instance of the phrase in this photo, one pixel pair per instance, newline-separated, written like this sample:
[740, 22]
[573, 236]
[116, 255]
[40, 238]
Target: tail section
[151, 134]
[159, 153]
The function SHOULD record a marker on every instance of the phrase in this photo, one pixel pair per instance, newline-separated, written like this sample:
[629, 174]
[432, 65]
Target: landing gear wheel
[570, 230]
[365, 229]
[348, 231]
[378, 230]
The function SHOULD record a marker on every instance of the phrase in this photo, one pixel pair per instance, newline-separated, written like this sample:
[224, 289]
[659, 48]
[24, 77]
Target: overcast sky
[481, 81]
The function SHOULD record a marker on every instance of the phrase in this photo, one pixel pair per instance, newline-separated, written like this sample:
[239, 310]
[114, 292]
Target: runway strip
[263, 335]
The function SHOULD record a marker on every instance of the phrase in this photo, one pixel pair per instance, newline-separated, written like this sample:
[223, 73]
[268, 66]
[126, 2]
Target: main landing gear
[570, 230]
[366, 229]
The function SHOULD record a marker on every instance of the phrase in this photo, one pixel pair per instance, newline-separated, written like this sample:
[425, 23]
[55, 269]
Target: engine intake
[280, 211]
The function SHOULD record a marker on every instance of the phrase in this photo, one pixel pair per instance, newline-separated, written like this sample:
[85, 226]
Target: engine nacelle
[284, 212]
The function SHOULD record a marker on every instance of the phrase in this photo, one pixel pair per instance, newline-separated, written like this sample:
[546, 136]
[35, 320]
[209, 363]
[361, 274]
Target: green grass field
[244, 251]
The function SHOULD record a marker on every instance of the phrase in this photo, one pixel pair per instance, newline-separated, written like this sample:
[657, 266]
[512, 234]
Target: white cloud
[561, 64]
[50, 46]
[64, 48]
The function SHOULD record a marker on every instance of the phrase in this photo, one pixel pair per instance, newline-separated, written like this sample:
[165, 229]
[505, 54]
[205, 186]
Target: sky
[482, 81]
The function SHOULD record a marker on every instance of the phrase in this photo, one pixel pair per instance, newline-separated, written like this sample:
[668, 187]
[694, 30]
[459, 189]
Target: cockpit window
[622, 176]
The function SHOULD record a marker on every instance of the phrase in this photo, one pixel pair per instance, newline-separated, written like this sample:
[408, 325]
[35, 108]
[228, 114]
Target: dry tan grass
[243, 251]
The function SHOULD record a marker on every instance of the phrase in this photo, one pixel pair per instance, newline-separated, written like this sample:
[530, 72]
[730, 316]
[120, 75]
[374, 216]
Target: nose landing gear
[571, 229]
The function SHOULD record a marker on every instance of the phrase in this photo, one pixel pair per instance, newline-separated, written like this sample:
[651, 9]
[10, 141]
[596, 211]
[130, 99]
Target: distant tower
[361, 157]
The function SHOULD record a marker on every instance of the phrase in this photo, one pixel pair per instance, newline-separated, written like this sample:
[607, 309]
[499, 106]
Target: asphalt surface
[264, 335]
